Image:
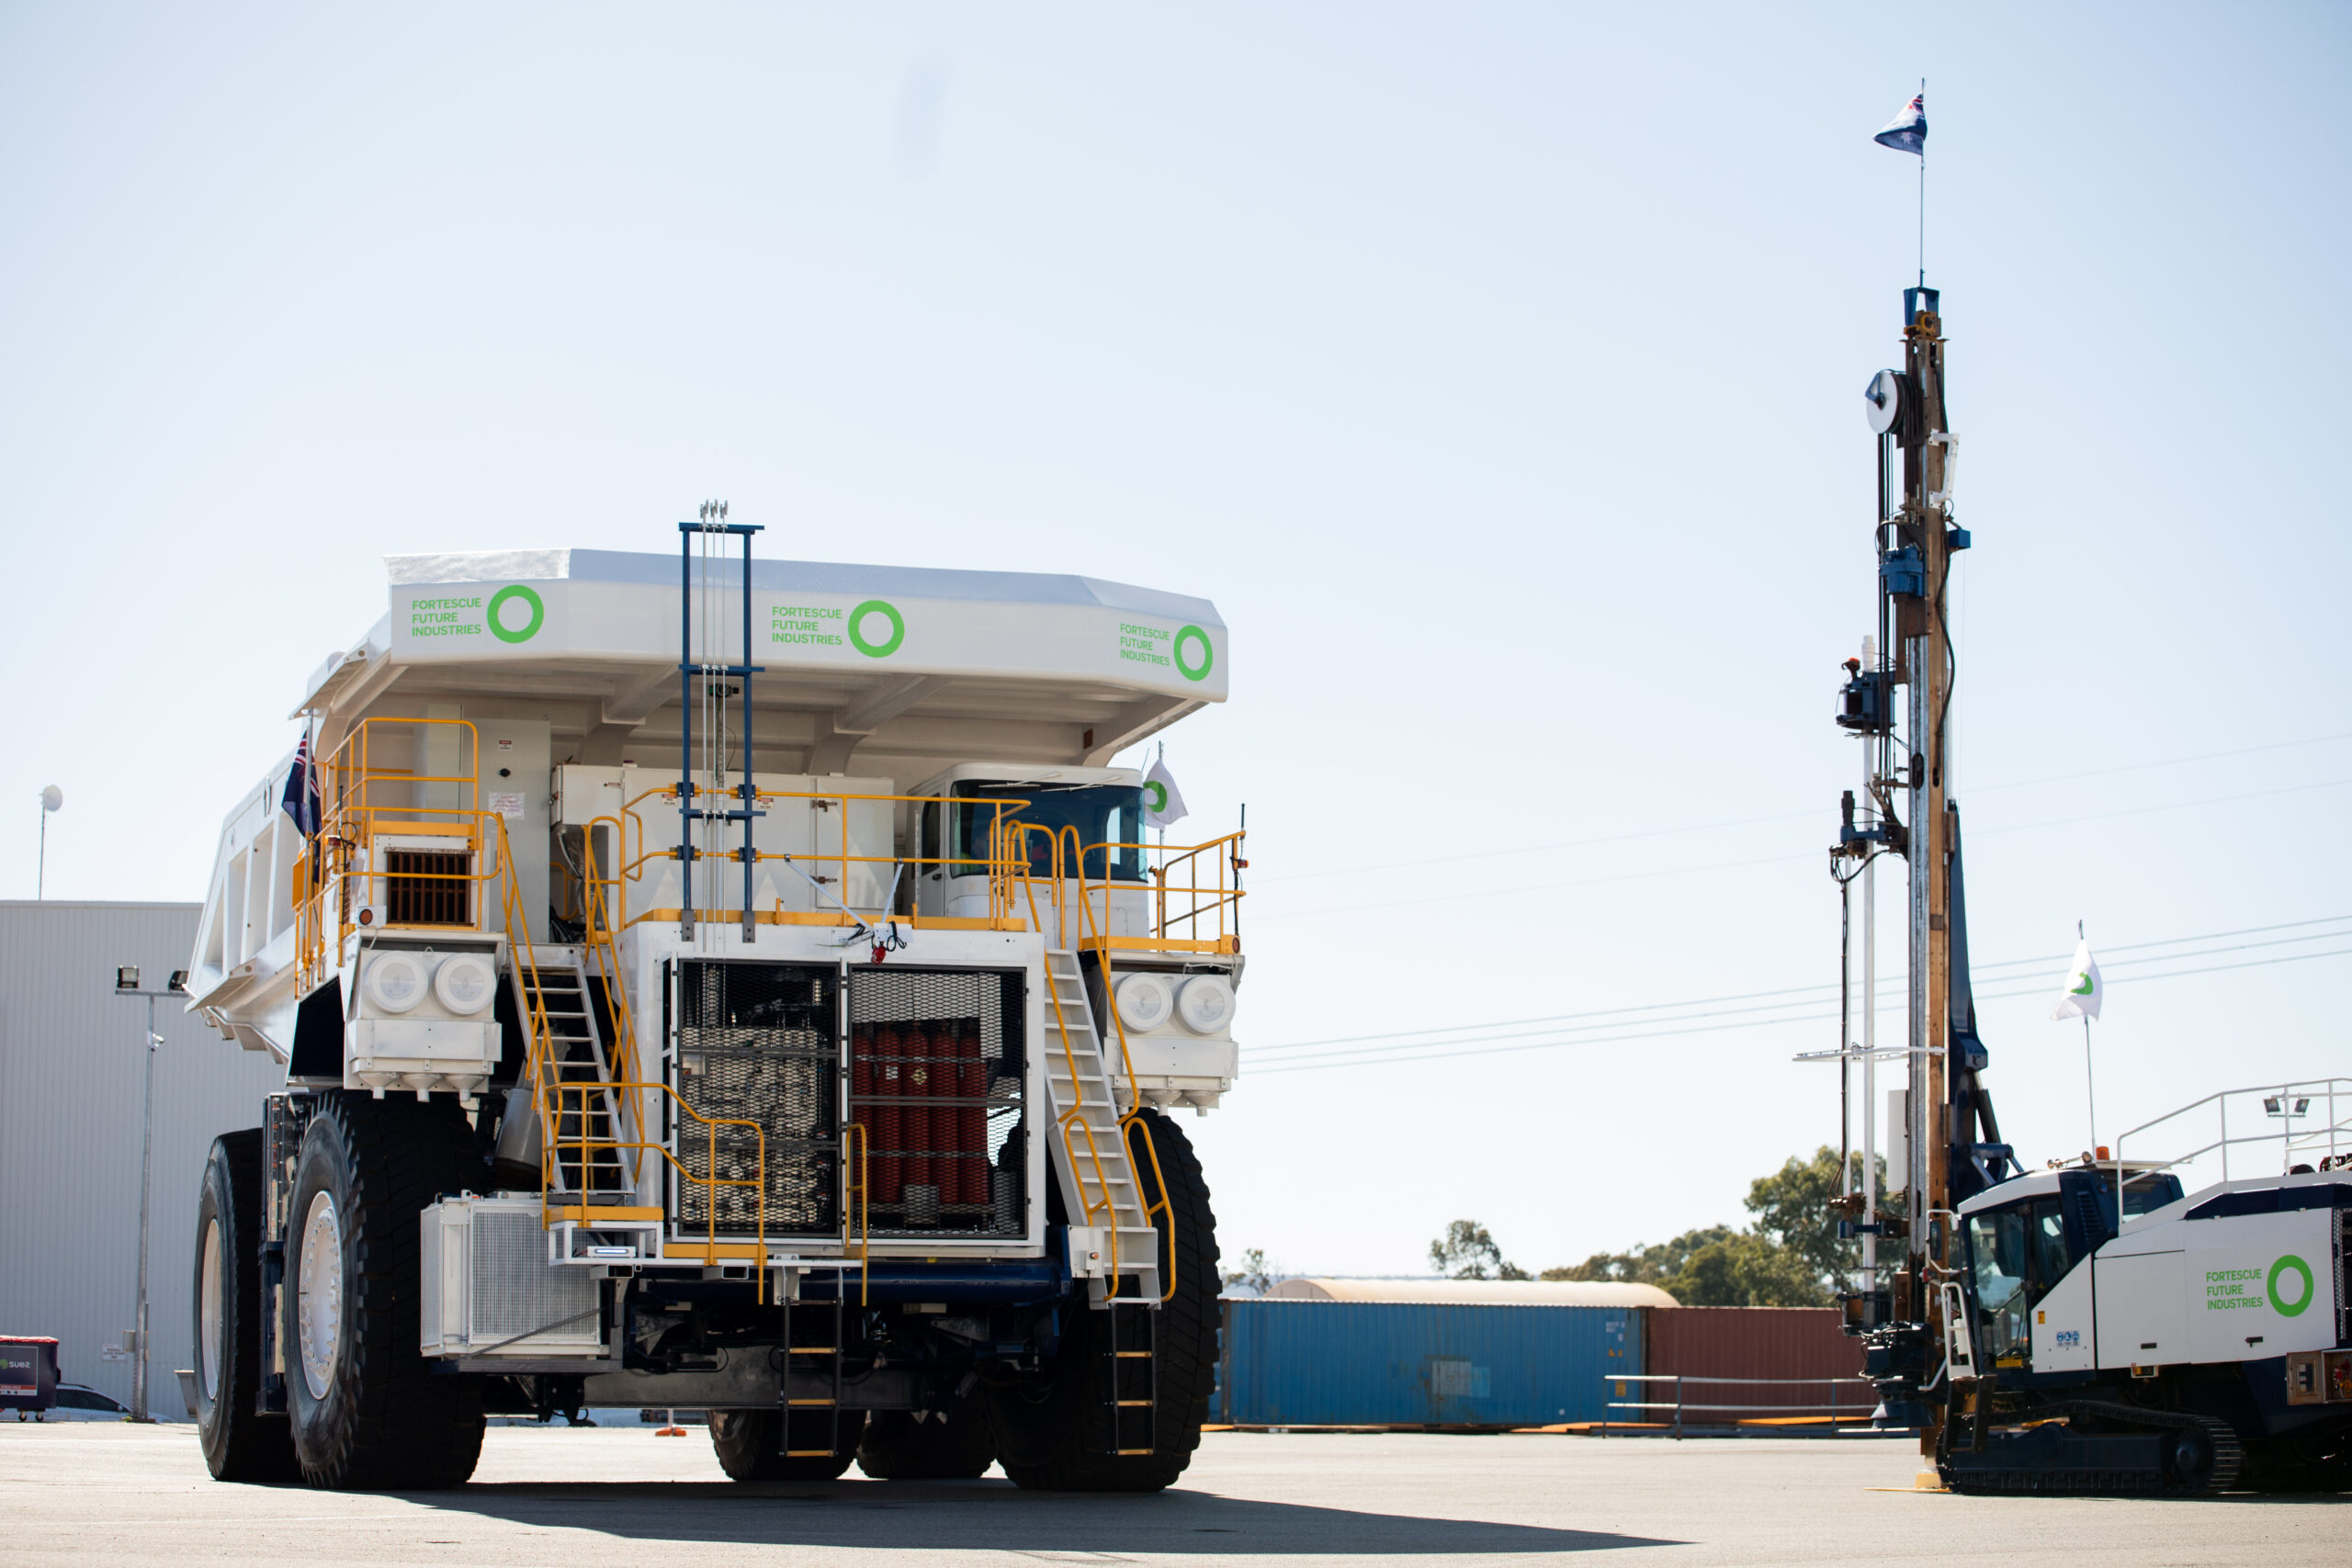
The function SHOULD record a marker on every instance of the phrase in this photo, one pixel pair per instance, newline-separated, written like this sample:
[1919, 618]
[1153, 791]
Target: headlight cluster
[465, 983]
[1202, 1003]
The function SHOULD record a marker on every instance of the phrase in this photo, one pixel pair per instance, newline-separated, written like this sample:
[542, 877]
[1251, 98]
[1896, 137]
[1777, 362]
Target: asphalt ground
[90, 1494]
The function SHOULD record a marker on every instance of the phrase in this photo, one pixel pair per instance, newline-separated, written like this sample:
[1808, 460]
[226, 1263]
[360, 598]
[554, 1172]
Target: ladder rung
[1122, 1453]
[810, 1350]
[1132, 1355]
[817, 1453]
[809, 1402]
[1132, 1404]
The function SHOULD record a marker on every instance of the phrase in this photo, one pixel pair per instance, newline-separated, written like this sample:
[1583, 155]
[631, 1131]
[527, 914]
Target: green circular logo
[1155, 794]
[1208, 657]
[500, 600]
[889, 644]
[2291, 1264]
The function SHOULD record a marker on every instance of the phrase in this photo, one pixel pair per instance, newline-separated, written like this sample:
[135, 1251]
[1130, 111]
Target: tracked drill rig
[740, 986]
[2092, 1326]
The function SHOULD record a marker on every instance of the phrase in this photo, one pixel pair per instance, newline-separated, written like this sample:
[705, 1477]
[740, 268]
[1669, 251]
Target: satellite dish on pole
[52, 799]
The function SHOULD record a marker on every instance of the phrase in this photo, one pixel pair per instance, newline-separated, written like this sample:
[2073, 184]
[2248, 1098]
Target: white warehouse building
[70, 1112]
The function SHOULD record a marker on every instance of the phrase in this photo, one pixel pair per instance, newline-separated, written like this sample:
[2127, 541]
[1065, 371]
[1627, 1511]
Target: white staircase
[1100, 1190]
[574, 1050]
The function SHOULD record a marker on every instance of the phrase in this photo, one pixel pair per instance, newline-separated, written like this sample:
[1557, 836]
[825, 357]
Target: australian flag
[1907, 132]
[301, 800]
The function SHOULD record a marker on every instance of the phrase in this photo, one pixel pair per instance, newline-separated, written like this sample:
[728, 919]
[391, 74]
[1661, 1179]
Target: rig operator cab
[739, 985]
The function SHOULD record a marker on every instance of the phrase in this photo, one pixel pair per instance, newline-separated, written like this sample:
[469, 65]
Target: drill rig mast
[1951, 1148]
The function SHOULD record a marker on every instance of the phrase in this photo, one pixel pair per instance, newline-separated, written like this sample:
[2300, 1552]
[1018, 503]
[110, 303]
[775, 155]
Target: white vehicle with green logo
[2122, 1334]
[749, 986]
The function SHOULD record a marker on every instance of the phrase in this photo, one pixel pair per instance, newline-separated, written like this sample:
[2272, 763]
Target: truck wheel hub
[319, 1295]
[208, 1312]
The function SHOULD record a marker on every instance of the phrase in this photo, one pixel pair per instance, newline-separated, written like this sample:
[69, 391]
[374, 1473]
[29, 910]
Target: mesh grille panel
[516, 1291]
[429, 1272]
[935, 1080]
[756, 1041]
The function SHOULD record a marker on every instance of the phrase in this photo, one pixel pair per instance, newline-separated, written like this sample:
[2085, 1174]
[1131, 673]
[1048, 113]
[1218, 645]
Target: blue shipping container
[1306, 1363]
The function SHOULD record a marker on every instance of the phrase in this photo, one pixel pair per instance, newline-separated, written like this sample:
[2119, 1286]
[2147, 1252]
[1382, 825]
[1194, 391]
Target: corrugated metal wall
[1306, 1364]
[1754, 1342]
[69, 1088]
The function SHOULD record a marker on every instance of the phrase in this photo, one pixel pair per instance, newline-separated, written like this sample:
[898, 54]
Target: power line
[1343, 1059]
[1663, 1028]
[1424, 1035]
[1776, 816]
[1774, 859]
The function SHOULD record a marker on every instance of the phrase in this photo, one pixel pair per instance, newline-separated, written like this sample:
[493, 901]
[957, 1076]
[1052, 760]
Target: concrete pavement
[96, 1495]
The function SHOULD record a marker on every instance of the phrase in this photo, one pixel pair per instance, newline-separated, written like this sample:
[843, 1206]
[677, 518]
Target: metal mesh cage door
[756, 1043]
[935, 1080]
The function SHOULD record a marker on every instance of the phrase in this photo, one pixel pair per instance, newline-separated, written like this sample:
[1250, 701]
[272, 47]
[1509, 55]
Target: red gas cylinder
[917, 1121]
[861, 1107]
[888, 1130]
[975, 1114]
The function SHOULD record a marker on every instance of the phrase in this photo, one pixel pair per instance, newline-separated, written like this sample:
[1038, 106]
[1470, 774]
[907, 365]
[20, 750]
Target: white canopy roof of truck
[920, 661]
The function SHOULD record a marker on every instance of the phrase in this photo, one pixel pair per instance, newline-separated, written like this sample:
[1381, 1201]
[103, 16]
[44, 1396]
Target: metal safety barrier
[1679, 1404]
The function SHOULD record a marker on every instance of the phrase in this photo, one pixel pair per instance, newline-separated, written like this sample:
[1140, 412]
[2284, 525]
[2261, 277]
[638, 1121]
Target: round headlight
[395, 982]
[1145, 1001]
[1206, 1004]
[465, 983]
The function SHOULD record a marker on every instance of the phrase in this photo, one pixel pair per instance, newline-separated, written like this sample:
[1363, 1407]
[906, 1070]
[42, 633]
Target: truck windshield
[1109, 819]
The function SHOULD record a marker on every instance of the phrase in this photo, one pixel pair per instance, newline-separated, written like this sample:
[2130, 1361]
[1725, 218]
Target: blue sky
[1495, 370]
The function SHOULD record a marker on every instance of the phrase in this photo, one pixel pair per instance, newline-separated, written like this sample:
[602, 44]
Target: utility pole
[126, 984]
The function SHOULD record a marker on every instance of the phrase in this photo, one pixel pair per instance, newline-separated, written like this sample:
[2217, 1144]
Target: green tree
[1468, 1252]
[1746, 1269]
[1255, 1275]
[1643, 1265]
[1791, 1255]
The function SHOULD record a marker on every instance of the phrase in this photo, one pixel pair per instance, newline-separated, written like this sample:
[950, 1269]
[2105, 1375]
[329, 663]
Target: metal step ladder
[575, 1052]
[1100, 1189]
[1131, 1378]
[811, 1427]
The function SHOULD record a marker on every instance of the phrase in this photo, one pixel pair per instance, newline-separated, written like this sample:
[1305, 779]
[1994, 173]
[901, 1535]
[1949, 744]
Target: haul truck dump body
[736, 985]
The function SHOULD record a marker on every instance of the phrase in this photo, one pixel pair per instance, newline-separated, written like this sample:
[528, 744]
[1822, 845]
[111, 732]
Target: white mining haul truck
[730, 986]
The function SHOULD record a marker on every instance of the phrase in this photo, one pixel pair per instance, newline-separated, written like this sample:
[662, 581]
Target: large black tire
[368, 1411]
[897, 1446]
[238, 1444]
[1055, 1436]
[751, 1446]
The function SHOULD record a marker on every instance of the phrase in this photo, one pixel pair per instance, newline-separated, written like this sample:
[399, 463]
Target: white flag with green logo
[1163, 804]
[2083, 990]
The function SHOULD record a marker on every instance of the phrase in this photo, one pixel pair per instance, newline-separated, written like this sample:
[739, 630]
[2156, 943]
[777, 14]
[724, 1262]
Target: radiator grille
[428, 1306]
[935, 1080]
[757, 1042]
[517, 1292]
[428, 887]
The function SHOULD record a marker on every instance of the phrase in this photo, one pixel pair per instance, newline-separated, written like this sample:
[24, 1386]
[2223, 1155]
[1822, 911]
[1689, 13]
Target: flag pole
[1923, 193]
[2090, 1086]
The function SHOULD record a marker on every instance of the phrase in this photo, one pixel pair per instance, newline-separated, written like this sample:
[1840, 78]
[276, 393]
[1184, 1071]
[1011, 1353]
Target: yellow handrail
[1132, 1123]
[864, 1234]
[585, 1145]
